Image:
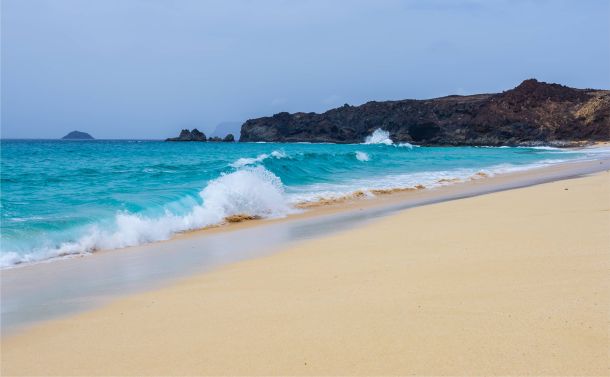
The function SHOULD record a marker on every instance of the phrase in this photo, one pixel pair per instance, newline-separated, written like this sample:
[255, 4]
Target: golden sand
[515, 282]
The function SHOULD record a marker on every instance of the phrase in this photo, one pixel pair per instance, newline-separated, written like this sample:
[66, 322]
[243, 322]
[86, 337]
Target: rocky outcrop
[186, 135]
[196, 135]
[78, 135]
[533, 113]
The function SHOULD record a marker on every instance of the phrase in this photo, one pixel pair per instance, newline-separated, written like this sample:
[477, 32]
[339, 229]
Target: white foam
[278, 154]
[594, 151]
[544, 148]
[252, 191]
[245, 161]
[379, 136]
[406, 145]
[362, 156]
[429, 179]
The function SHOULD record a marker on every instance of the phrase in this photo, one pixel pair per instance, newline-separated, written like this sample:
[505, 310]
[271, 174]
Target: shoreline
[45, 291]
[81, 245]
[365, 197]
[93, 241]
[511, 282]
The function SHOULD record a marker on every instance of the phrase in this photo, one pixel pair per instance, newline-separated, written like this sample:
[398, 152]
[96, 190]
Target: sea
[62, 198]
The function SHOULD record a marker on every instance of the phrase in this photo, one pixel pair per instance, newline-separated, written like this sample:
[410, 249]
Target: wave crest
[362, 156]
[379, 136]
[252, 192]
[245, 161]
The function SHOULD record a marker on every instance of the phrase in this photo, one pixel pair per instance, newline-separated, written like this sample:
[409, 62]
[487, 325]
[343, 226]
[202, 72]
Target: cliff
[532, 113]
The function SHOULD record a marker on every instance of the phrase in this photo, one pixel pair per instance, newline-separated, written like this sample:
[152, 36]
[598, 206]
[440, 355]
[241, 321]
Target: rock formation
[533, 113]
[186, 135]
[196, 135]
[78, 135]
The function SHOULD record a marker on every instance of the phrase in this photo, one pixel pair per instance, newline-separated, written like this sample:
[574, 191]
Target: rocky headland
[533, 113]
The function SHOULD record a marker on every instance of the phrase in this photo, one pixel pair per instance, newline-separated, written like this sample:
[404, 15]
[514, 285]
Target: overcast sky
[146, 69]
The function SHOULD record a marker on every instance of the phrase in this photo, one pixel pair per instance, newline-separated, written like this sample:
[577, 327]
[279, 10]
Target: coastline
[46, 291]
[143, 229]
[512, 282]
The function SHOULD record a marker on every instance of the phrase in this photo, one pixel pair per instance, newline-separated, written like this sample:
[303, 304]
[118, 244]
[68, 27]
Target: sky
[122, 69]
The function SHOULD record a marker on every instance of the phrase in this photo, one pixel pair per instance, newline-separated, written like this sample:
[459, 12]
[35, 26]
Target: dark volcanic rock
[78, 135]
[215, 139]
[533, 113]
[186, 135]
[229, 138]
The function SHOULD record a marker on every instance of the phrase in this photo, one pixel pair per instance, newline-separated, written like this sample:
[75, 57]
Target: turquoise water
[72, 197]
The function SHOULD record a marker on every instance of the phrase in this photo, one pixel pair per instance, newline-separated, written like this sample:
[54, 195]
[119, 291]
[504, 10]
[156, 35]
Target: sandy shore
[514, 282]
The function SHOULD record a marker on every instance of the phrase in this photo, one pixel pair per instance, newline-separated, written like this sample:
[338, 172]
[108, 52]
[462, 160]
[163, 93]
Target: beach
[507, 283]
[283, 188]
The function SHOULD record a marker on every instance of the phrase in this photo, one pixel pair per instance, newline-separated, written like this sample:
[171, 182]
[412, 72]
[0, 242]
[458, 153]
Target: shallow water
[73, 197]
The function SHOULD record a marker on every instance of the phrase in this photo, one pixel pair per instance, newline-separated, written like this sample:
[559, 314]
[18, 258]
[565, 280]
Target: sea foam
[129, 196]
[252, 191]
[379, 136]
[245, 161]
[362, 156]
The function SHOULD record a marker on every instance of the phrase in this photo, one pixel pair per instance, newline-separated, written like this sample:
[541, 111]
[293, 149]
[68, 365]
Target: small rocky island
[196, 135]
[533, 113]
[78, 135]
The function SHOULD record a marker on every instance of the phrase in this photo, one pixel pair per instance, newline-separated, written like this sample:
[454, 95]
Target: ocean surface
[61, 198]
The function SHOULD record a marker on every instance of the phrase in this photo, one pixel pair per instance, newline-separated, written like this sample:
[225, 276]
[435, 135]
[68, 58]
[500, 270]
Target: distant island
[78, 135]
[196, 135]
[533, 113]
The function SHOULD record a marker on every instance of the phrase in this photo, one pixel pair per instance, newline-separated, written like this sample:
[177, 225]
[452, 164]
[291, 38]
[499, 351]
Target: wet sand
[512, 282]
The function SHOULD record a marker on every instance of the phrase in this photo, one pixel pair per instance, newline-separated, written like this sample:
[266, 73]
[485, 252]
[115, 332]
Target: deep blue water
[67, 197]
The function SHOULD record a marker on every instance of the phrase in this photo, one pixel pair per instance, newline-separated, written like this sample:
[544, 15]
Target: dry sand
[515, 282]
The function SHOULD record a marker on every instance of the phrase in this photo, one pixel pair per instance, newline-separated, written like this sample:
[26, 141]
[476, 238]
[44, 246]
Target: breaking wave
[161, 195]
[379, 136]
[245, 161]
[362, 156]
[253, 191]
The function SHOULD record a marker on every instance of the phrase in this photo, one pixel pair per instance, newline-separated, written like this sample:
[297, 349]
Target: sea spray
[379, 136]
[254, 191]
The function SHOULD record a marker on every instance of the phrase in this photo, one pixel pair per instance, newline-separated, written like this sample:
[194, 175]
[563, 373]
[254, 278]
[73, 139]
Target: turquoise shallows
[68, 197]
